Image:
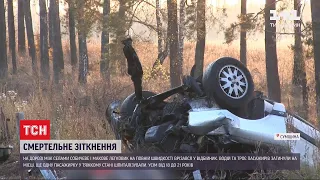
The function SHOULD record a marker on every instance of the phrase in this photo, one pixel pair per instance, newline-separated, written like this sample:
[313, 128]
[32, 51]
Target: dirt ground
[10, 169]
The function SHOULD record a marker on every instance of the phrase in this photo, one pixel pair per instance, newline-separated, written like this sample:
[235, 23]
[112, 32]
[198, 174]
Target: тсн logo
[35, 130]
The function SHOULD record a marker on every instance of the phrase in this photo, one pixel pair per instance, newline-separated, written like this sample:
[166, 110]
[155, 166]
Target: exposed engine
[164, 122]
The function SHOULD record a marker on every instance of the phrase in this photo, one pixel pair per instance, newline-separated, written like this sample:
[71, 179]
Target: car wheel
[128, 105]
[228, 82]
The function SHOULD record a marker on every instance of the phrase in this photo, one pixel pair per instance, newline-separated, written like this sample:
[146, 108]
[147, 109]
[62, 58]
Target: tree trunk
[175, 71]
[159, 27]
[83, 56]
[83, 52]
[121, 33]
[243, 34]
[299, 79]
[315, 11]
[30, 35]
[72, 35]
[104, 64]
[58, 63]
[50, 25]
[12, 36]
[3, 44]
[44, 54]
[181, 34]
[163, 46]
[21, 28]
[201, 37]
[273, 81]
[162, 56]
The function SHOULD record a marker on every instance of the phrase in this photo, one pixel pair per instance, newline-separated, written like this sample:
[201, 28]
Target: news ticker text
[70, 146]
[161, 161]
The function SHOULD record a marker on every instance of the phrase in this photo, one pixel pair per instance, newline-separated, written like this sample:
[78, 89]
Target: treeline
[181, 19]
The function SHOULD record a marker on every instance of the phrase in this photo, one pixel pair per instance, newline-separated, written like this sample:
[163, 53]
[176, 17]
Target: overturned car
[216, 112]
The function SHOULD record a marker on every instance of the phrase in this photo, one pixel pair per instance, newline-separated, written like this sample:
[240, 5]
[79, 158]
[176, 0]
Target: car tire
[129, 104]
[228, 82]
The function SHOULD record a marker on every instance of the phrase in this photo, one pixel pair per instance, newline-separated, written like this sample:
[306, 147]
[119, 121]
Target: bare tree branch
[133, 14]
[152, 5]
[262, 10]
[145, 24]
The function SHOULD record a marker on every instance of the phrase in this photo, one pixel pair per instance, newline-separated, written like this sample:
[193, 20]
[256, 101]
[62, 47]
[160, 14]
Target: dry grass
[77, 112]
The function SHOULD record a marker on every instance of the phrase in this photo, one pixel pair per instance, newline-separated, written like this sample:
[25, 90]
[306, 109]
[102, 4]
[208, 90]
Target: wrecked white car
[219, 111]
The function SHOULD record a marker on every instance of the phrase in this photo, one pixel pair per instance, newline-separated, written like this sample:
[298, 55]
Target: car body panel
[245, 131]
[261, 131]
[308, 146]
[114, 117]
